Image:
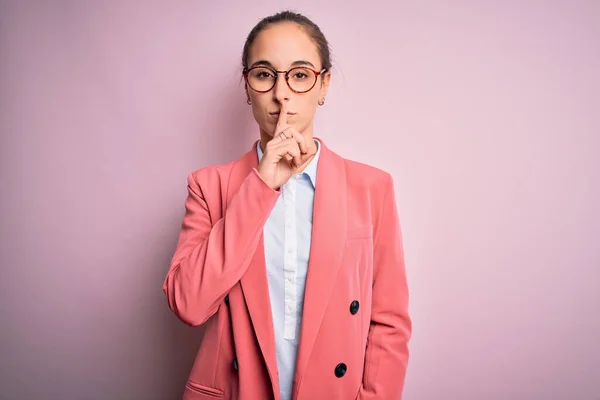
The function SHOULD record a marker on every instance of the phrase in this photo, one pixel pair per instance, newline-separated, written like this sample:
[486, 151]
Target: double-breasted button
[235, 364]
[340, 370]
[354, 306]
[227, 300]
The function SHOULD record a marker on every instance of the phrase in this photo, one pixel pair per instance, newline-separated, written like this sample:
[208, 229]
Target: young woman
[291, 256]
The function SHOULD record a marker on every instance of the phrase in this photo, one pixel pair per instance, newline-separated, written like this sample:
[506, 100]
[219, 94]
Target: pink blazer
[355, 324]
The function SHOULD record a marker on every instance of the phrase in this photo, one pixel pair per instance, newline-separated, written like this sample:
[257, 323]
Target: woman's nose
[281, 90]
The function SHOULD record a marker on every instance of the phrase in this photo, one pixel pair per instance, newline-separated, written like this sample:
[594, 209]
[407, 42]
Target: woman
[291, 256]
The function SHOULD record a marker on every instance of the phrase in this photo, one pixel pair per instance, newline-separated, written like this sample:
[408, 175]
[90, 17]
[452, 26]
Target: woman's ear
[325, 84]
[247, 95]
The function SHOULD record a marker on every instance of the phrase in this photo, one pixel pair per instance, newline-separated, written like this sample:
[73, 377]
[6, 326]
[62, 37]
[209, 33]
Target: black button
[340, 370]
[235, 364]
[354, 307]
[227, 300]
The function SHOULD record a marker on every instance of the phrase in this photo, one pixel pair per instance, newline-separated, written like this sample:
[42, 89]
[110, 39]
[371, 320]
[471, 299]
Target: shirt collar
[311, 168]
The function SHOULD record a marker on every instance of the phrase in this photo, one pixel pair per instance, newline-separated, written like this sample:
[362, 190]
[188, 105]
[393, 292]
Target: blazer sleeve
[386, 356]
[210, 258]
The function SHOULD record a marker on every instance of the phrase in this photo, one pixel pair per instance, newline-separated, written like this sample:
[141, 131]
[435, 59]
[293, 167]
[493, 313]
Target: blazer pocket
[195, 391]
[359, 232]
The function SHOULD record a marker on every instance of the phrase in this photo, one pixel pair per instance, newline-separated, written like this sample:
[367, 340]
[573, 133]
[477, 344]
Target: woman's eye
[300, 75]
[264, 75]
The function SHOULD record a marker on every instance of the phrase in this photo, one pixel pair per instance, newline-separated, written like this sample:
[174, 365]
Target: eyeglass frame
[246, 71]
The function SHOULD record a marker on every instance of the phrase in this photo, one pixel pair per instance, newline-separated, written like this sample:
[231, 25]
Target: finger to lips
[290, 137]
[285, 132]
[282, 121]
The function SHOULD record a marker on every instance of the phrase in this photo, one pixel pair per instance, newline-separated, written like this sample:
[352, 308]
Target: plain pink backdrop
[486, 113]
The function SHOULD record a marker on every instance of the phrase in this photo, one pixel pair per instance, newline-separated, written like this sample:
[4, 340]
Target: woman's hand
[284, 154]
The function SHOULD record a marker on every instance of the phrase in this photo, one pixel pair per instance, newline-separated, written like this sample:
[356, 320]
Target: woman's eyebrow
[302, 62]
[294, 64]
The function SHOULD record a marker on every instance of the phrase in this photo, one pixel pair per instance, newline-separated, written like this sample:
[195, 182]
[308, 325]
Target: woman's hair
[310, 27]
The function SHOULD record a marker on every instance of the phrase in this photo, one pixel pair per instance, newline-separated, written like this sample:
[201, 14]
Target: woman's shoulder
[366, 174]
[222, 171]
[210, 173]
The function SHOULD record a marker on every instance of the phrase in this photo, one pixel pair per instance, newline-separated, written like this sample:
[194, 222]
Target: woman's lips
[276, 114]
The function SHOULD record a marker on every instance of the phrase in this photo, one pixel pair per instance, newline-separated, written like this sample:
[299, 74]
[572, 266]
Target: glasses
[299, 79]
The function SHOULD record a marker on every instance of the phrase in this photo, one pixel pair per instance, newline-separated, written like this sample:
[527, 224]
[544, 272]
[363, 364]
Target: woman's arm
[210, 259]
[387, 345]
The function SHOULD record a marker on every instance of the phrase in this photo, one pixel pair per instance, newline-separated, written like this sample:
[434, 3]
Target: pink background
[486, 113]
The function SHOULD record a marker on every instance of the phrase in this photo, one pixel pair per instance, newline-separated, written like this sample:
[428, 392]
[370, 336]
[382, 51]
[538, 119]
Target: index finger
[282, 118]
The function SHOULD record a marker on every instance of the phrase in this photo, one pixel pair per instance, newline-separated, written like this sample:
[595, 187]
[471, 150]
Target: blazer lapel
[254, 283]
[327, 245]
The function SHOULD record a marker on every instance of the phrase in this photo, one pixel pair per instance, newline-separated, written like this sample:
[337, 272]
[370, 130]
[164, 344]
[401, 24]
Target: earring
[322, 101]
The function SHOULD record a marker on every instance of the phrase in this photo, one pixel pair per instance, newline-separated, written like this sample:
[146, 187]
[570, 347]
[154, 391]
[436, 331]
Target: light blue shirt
[287, 235]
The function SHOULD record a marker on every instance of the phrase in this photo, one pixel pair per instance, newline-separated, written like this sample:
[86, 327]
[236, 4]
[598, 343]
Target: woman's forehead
[282, 45]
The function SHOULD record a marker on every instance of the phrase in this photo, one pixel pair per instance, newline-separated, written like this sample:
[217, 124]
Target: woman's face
[281, 47]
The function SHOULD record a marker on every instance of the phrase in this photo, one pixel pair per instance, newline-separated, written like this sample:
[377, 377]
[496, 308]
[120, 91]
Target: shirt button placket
[289, 264]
